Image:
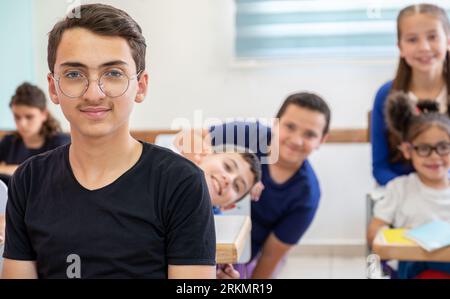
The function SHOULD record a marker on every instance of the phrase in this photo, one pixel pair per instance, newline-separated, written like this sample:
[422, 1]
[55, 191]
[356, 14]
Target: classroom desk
[403, 252]
[232, 233]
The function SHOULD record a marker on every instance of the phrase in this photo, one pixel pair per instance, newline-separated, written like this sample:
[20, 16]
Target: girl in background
[36, 129]
[423, 73]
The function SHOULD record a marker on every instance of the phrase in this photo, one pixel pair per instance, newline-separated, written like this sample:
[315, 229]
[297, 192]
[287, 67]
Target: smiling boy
[289, 201]
[125, 208]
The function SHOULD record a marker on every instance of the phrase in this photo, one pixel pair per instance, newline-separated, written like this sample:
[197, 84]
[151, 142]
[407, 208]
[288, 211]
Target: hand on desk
[227, 272]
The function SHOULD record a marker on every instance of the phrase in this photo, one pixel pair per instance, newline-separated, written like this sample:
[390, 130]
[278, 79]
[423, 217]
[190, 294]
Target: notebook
[431, 236]
[396, 236]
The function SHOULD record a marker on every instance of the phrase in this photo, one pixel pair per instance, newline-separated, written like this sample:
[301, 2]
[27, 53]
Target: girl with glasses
[424, 195]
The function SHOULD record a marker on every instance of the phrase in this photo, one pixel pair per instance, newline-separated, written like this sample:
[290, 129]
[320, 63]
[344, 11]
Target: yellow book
[396, 236]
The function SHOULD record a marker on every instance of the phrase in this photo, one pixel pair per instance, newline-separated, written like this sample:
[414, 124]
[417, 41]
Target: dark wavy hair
[309, 101]
[255, 168]
[408, 120]
[32, 96]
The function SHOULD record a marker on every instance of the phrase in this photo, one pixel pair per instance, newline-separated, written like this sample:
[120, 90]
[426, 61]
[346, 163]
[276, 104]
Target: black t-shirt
[13, 149]
[157, 213]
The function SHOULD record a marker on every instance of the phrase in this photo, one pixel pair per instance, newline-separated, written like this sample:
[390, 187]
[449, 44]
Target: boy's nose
[225, 180]
[297, 140]
[93, 91]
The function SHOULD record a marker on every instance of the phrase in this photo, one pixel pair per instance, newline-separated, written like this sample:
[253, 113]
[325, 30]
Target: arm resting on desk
[374, 227]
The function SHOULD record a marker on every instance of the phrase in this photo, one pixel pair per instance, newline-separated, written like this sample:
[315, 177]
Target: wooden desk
[232, 231]
[343, 135]
[404, 252]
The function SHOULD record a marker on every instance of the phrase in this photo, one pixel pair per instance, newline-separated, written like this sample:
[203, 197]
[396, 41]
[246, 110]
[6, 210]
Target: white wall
[17, 15]
[190, 60]
[345, 178]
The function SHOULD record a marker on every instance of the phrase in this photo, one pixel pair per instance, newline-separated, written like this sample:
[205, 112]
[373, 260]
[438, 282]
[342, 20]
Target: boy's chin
[96, 130]
[291, 159]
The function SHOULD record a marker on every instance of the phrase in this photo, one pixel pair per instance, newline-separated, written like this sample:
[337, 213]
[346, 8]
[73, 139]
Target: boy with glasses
[107, 205]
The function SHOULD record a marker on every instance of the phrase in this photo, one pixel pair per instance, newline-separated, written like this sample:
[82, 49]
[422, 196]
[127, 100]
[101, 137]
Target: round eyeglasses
[112, 83]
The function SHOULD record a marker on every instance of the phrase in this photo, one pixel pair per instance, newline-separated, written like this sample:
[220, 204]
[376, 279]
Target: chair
[3, 197]
[371, 198]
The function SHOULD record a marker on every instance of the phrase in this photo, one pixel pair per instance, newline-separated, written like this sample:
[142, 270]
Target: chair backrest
[371, 198]
[3, 197]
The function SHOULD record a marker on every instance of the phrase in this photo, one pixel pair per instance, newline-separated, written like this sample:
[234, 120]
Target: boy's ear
[228, 207]
[52, 89]
[142, 87]
[405, 148]
[324, 138]
[322, 141]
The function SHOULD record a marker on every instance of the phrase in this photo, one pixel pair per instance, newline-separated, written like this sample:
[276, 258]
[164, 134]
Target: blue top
[383, 171]
[13, 150]
[285, 209]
